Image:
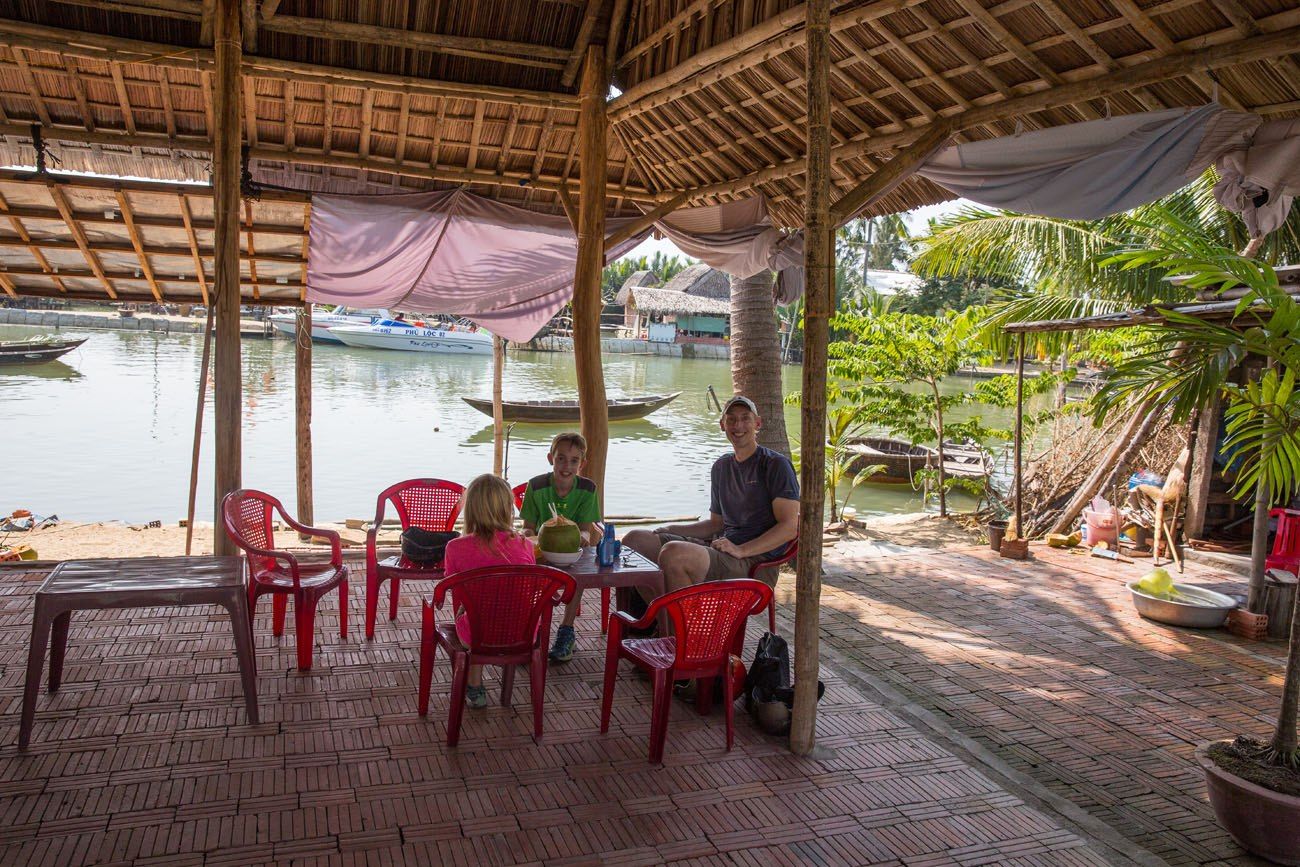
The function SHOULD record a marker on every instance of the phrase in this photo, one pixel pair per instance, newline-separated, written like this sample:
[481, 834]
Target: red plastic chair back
[707, 618]
[247, 515]
[505, 604]
[1286, 543]
[430, 504]
[519, 491]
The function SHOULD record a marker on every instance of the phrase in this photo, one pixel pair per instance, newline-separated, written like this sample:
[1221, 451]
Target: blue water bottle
[605, 547]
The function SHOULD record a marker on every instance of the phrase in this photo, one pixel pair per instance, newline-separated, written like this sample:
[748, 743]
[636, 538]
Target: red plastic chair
[708, 620]
[519, 491]
[430, 504]
[508, 612]
[247, 515]
[790, 553]
[1286, 542]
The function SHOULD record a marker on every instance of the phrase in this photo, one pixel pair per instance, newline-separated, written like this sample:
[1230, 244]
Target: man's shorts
[724, 566]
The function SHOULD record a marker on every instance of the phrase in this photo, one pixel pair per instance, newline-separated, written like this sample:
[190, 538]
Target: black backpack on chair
[425, 546]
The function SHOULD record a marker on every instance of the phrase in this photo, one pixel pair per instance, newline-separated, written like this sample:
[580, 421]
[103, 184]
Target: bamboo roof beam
[188, 219]
[927, 71]
[290, 137]
[503, 159]
[207, 22]
[33, 91]
[65, 211]
[269, 8]
[160, 251]
[83, 105]
[290, 284]
[498, 50]
[10, 289]
[1244, 23]
[1161, 41]
[1100, 56]
[248, 20]
[124, 205]
[367, 119]
[585, 30]
[312, 157]
[936, 31]
[169, 113]
[649, 171]
[34, 250]
[476, 133]
[327, 137]
[250, 111]
[123, 99]
[116, 49]
[543, 144]
[1000, 34]
[404, 121]
[678, 22]
[640, 224]
[1280, 43]
[617, 19]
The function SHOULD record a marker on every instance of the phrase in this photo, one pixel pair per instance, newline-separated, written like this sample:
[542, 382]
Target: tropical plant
[1189, 362]
[887, 350]
[1066, 267]
[843, 424]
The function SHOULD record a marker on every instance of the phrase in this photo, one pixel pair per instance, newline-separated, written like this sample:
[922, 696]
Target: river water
[106, 432]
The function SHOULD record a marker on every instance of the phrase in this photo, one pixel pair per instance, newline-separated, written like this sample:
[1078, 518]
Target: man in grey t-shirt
[753, 511]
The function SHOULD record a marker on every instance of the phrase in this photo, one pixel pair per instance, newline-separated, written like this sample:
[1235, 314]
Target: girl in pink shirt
[489, 540]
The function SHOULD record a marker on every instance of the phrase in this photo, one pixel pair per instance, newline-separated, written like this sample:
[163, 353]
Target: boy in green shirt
[574, 497]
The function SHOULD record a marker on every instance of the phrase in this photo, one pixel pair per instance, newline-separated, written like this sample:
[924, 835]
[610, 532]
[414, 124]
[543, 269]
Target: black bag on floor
[769, 695]
[425, 546]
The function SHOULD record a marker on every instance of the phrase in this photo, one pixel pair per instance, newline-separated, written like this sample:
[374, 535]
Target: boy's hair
[488, 508]
[569, 438]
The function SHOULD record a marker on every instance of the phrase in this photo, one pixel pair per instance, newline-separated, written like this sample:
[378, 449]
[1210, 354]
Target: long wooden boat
[37, 350]
[566, 411]
[901, 460]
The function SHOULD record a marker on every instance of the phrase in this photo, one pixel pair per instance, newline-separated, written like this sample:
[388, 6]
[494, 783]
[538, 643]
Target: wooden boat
[902, 460]
[36, 350]
[566, 411]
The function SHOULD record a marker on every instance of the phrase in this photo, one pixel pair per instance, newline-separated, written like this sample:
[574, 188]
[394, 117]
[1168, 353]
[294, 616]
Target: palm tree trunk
[1284, 742]
[756, 356]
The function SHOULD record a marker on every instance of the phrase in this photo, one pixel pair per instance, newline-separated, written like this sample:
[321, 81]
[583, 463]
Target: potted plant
[1254, 786]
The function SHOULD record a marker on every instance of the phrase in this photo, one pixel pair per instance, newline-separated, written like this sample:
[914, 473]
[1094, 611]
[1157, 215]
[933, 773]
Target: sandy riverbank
[70, 540]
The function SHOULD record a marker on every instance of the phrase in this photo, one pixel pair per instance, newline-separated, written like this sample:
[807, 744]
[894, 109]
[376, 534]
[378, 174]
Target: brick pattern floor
[1046, 663]
[145, 757]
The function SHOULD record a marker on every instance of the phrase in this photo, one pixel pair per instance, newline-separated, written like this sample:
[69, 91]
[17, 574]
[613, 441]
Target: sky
[915, 221]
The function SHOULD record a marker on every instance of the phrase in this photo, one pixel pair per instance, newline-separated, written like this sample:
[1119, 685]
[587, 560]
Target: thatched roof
[375, 95]
[668, 301]
[638, 278]
[702, 281]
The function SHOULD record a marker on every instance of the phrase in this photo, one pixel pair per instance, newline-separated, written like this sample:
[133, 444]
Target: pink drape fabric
[506, 268]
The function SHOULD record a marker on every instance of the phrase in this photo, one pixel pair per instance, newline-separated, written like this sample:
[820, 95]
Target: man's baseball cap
[740, 400]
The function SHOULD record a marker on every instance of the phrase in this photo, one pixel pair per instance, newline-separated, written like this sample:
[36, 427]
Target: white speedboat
[322, 321]
[393, 334]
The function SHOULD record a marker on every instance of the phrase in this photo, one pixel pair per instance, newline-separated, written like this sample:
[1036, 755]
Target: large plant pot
[1262, 821]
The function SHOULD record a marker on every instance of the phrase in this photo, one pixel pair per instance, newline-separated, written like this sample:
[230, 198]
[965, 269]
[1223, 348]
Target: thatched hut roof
[668, 301]
[376, 96]
[701, 281]
[637, 278]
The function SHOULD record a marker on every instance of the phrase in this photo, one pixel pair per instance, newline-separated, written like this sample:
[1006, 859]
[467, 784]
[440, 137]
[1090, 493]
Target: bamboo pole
[592, 127]
[225, 182]
[498, 413]
[890, 174]
[645, 221]
[198, 437]
[302, 413]
[1020, 438]
[819, 262]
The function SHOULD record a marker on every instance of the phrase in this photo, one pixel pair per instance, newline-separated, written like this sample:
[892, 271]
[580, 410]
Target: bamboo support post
[1020, 436]
[302, 413]
[592, 130]
[819, 262]
[198, 434]
[498, 413]
[225, 182]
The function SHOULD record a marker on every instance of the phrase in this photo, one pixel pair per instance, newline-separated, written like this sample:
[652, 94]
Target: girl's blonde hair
[489, 509]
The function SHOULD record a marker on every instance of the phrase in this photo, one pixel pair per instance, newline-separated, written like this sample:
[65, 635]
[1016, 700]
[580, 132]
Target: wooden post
[302, 412]
[498, 414]
[1202, 471]
[225, 183]
[819, 261]
[592, 128]
[1020, 435]
[198, 437]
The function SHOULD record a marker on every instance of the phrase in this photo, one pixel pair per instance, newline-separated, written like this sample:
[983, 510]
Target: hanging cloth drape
[506, 268]
[739, 239]
[1085, 171]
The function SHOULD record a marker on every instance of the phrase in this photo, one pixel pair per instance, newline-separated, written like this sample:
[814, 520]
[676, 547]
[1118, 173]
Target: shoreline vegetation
[116, 539]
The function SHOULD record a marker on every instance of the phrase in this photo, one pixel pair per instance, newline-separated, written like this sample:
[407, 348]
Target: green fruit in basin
[560, 537]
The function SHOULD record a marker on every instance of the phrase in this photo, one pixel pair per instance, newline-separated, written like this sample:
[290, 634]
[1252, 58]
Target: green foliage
[616, 273]
[939, 294]
[842, 425]
[1263, 422]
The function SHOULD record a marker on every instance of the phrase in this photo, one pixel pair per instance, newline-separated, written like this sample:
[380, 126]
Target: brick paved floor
[1046, 664]
[145, 757]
